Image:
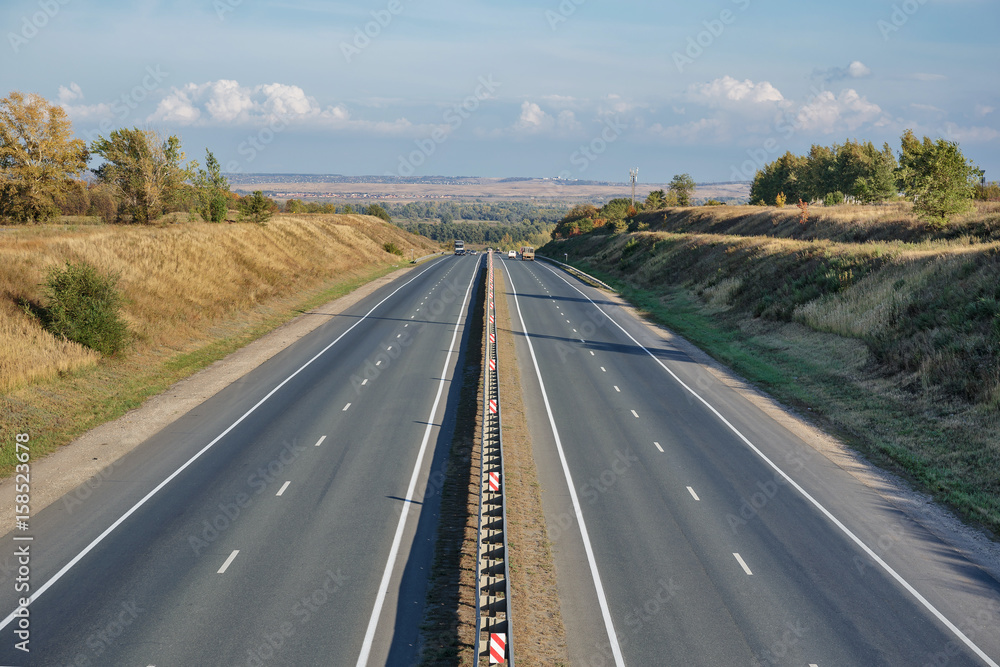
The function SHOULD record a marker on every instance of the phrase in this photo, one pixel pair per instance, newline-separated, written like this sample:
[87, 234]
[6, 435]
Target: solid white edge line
[742, 563]
[225, 566]
[107, 531]
[283, 487]
[320, 441]
[591, 560]
[383, 588]
[805, 494]
[693, 494]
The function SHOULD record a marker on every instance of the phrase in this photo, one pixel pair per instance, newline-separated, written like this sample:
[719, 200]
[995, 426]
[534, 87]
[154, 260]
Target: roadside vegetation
[187, 295]
[881, 321]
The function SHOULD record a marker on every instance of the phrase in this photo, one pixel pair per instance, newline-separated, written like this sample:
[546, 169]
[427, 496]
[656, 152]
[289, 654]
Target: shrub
[83, 307]
[391, 247]
[833, 198]
[780, 200]
[256, 208]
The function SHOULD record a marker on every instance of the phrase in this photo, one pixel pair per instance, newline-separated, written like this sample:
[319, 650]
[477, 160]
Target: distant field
[478, 188]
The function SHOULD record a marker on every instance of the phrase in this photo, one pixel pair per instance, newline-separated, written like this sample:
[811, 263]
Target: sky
[580, 89]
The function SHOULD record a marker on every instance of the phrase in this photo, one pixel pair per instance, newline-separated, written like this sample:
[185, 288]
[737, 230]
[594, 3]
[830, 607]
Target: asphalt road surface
[289, 520]
[690, 528]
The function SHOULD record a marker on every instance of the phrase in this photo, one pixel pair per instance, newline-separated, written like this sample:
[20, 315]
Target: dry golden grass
[178, 280]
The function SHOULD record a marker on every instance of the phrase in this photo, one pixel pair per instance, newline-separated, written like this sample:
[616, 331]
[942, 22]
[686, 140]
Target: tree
[936, 177]
[379, 212]
[682, 185]
[143, 170]
[256, 208]
[784, 175]
[656, 199]
[877, 181]
[212, 188]
[38, 158]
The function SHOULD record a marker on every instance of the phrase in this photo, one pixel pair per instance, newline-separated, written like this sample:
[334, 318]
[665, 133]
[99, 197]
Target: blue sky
[573, 88]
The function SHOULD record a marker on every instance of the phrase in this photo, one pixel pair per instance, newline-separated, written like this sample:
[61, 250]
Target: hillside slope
[192, 293]
[893, 345]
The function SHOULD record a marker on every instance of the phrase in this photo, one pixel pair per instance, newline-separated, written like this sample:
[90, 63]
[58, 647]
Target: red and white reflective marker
[493, 364]
[493, 405]
[498, 648]
[493, 337]
[494, 481]
[492, 319]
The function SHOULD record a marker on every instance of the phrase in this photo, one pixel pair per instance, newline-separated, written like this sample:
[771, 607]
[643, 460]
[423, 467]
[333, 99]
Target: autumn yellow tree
[38, 157]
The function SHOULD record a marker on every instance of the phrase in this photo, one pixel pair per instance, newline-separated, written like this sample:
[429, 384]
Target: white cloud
[532, 118]
[567, 122]
[858, 69]
[973, 135]
[927, 107]
[703, 130]
[731, 93]
[828, 113]
[227, 102]
[67, 95]
[982, 110]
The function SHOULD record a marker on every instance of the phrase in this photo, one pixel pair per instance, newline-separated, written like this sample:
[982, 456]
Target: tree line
[143, 176]
[506, 212]
[482, 233]
[934, 175]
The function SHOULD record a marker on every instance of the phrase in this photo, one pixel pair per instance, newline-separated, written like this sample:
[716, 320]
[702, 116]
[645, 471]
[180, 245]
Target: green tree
[655, 200]
[143, 170]
[38, 159]
[935, 175]
[256, 208]
[84, 307]
[379, 212]
[682, 185]
[213, 189]
[784, 175]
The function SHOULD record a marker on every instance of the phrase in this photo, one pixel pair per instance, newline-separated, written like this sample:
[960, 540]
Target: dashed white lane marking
[742, 563]
[378, 363]
[388, 348]
[574, 330]
[283, 487]
[694, 495]
[364, 382]
[320, 441]
[398, 335]
[617, 389]
[591, 353]
[603, 370]
[658, 446]
[345, 407]
[229, 560]
[405, 325]
[635, 414]
[567, 321]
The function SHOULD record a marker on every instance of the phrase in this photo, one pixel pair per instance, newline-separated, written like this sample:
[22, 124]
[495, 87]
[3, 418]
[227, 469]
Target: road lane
[165, 587]
[678, 594]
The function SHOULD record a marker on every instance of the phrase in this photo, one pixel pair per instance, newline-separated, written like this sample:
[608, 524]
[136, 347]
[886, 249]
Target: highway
[691, 528]
[288, 520]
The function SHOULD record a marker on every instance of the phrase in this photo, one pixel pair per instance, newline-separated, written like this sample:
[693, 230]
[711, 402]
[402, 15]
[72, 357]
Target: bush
[83, 307]
[257, 208]
[833, 198]
[391, 247]
[780, 200]
[103, 204]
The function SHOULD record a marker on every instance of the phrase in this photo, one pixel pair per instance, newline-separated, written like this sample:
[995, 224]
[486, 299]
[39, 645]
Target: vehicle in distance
[527, 254]
[459, 247]
[511, 254]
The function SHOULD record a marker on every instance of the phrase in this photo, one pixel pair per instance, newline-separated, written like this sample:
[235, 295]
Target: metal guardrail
[494, 633]
[577, 272]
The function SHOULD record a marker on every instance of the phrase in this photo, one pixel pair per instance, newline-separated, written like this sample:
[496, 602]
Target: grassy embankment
[886, 329]
[193, 292]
